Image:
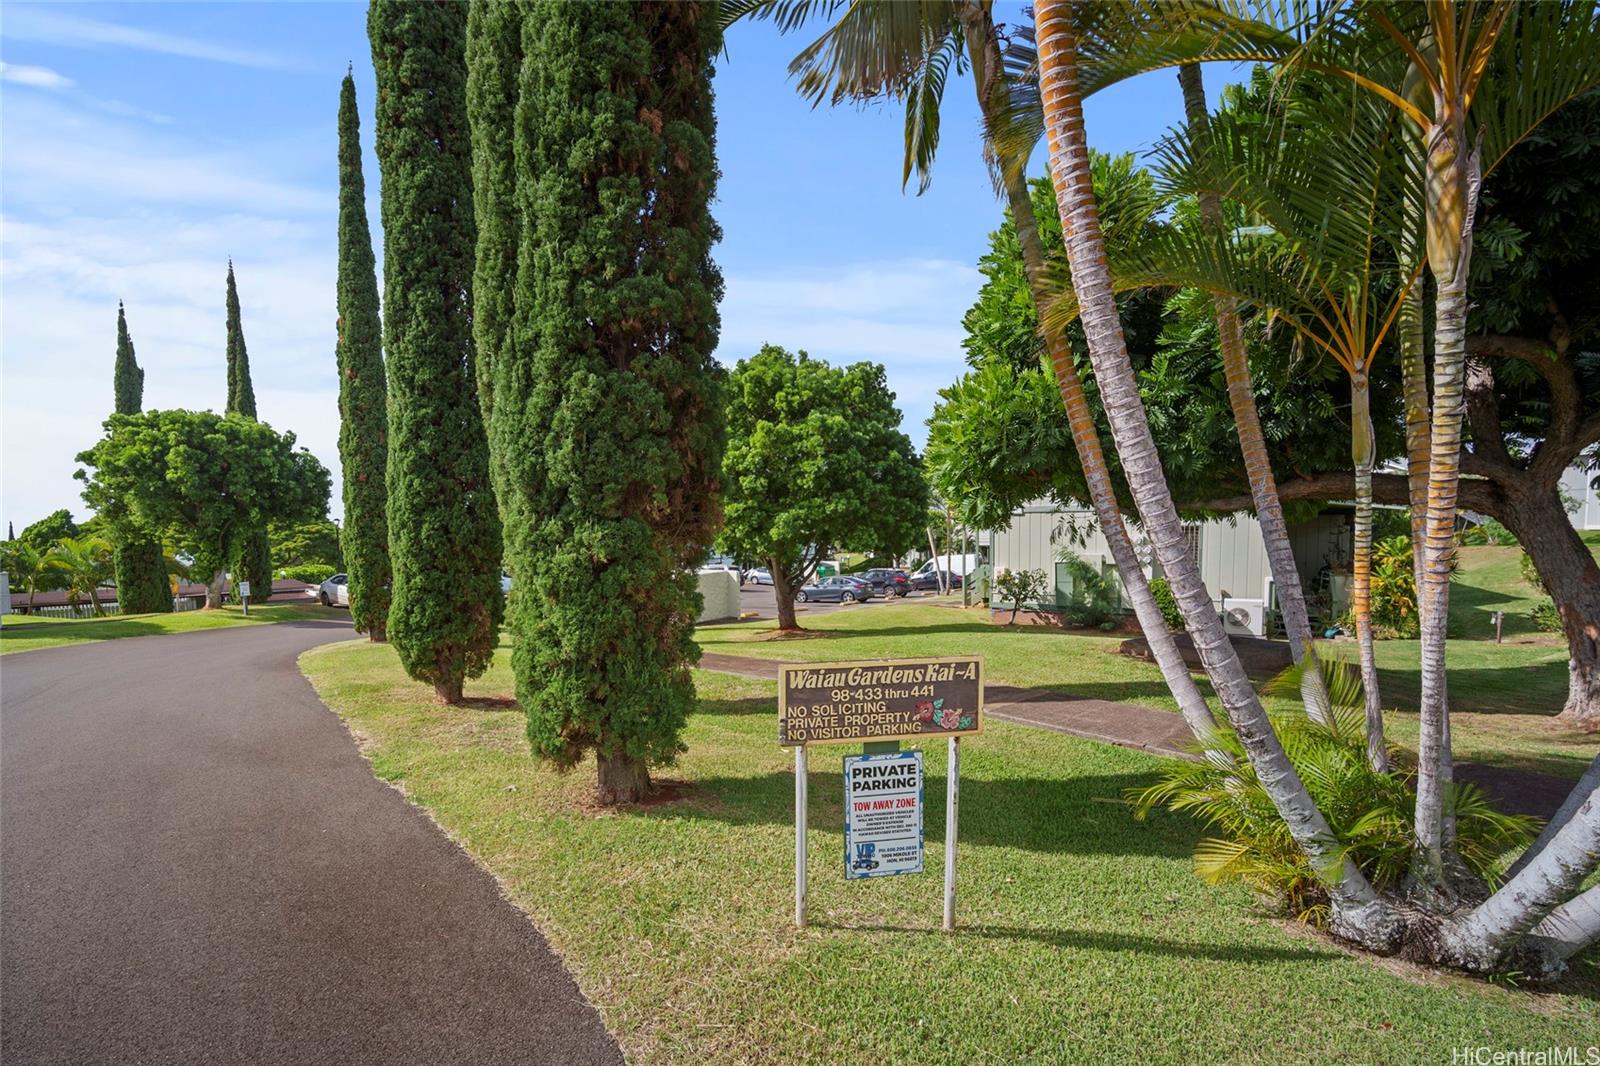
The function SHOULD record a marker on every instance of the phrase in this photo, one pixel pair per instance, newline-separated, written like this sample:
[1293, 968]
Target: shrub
[310, 573]
[1395, 615]
[1369, 813]
[1547, 617]
[1161, 589]
[1017, 587]
[1095, 599]
[1486, 532]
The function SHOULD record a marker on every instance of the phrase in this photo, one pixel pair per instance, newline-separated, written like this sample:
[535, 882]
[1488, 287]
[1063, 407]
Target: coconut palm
[84, 563]
[907, 51]
[1357, 912]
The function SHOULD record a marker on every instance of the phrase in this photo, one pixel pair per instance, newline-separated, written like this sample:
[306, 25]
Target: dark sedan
[835, 590]
[929, 582]
[887, 582]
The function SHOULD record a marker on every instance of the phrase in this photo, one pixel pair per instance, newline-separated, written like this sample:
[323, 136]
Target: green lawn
[19, 634]
[1504, 696]
[1085, 935]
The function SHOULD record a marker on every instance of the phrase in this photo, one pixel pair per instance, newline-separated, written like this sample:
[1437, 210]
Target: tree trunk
[1363, 447]
[1242, 398]
[1482, 939]
[1567, 569]
[1452, 192]
[214, 590]
[938, 571]
[1586, 785]
[783, 591]
[622, 779]
[1085, 435]
[1571, 927]
[1358, 913]
[448, 686]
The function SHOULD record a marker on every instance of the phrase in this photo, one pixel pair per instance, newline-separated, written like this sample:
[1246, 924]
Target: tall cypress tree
[494, 61]
[363, 414]
[444, 530]
[608, 405]
[140, 565]
[252, 555]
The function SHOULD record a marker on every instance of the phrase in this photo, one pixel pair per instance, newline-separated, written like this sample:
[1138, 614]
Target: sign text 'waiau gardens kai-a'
[880, 702]
[842, 703]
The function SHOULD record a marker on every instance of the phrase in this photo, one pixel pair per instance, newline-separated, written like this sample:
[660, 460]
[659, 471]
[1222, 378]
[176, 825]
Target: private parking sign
[883, 814]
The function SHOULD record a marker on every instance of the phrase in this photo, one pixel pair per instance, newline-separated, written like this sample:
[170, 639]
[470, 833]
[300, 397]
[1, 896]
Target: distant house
[1575, 485]
[1230, 552]
[190, 597]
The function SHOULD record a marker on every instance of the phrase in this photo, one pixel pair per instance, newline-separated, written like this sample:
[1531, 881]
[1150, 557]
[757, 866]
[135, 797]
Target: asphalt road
[198, 867]
[759, 599]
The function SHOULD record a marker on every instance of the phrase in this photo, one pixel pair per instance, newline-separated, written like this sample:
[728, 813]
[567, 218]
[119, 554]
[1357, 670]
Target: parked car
[886, 581]
[505, 583]
[837, 589]
[335, 590]
[759, 576]
[928, 580]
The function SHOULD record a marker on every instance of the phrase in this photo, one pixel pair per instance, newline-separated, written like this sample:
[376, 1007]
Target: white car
[759, 576]
[335, 591]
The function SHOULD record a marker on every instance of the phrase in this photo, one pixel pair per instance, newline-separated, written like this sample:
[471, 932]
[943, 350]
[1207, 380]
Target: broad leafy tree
[251, 558]
[607, 405]
[444, 530]
[198, 480]
[43, 534]
[816, 460]
[140, 565]
[307, 543]
[363, 401]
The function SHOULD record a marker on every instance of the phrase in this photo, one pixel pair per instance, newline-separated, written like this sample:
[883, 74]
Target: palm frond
[923, 97]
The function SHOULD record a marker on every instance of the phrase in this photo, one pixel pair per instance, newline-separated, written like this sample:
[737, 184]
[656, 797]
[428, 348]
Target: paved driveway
[199, 867]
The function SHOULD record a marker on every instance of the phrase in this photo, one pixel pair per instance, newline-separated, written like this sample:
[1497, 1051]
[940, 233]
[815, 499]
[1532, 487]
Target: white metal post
[952, 804]
[800, 836]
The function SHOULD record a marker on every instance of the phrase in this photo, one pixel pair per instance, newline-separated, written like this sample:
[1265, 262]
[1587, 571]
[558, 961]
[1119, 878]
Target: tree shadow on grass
[1087, 815]
[51, 634]
[1084, 939]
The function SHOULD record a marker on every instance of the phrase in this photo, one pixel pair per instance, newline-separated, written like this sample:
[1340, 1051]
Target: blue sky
[141, 145]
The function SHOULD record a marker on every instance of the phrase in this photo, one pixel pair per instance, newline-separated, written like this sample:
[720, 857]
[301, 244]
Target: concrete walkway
[200, 868]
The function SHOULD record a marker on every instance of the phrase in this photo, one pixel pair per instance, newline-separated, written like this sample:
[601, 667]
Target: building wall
[719, 591]
[1233, 556]
[1576, 484]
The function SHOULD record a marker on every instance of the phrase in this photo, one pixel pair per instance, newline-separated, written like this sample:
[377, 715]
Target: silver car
[335, 591]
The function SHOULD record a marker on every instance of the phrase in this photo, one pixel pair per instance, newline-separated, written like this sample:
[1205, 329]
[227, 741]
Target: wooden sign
[879, 699]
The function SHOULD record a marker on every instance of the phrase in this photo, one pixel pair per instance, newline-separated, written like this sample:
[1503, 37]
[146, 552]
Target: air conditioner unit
[1245, 617]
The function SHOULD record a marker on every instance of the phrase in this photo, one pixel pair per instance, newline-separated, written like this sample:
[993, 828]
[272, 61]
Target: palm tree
[85, 563]
[1358, 912]
[906, 51]
[1542, 55]
[27, 566]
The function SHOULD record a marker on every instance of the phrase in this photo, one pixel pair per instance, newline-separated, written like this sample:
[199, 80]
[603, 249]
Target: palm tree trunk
[1452, 196]
[1481, 940]
[1358, 913]
[1242, 398]
[984, 49]
[1586, 785]
[1572, 926]
[1363, 447]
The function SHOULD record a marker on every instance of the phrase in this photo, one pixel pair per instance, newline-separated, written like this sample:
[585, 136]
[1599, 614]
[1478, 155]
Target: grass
[1504, 696]
[34, 633]
[1085, 935]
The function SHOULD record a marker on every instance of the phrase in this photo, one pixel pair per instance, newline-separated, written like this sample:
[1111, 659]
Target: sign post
[879, 703]
[244, 596]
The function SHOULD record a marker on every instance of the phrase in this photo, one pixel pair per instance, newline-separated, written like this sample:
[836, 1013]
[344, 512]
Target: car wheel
[802, 597]
[323, 596]
[902, 593]
[847, 597]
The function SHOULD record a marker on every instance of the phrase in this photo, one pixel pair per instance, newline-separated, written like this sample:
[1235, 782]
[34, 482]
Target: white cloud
[904, 313]
[36, 77]
[53, 26]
